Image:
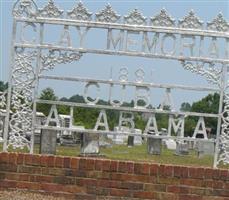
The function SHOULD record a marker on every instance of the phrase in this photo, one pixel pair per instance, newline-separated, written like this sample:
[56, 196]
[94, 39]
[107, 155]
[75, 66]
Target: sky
[98, 66]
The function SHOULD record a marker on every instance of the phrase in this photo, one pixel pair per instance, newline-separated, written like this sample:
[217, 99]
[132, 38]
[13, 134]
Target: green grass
[138, 153]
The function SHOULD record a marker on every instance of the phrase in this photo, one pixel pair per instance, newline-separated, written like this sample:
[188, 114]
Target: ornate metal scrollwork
[21, 101]
[163, 19]
[211, 73]
[191, 21]
[107, 15]
[80, 13]
[224, 137]
[58, 57]
[25, 8]
[218, 24]
[2, 100]
[51, 10]
[135, 18]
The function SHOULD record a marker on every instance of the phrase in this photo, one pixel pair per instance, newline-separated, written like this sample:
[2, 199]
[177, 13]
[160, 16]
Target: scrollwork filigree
[58, 57]
[2, 100]
[163, 19]
[191, 21]
[25, 8]
[51, 10]
[107, 15]
[135, 18]
[211, 73]
[21, 101]
[218, 24]
[80, 13]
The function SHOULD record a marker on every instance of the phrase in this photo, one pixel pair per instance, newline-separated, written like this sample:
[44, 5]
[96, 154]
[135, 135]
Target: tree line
[88, 116]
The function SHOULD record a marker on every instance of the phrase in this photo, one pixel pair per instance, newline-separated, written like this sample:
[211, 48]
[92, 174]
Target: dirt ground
[25, 195]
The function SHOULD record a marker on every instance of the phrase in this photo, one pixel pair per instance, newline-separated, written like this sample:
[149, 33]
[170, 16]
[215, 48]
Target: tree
[46, 94]
[208, 104]
[185, 107]
[3, 86]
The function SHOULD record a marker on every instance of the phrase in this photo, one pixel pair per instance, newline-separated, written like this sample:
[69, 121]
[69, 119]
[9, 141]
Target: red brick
[189, 197]
[114, 166]
[28, 159]
[98, 165]
[51, 160]
[51, 187]
[216, 174]
[196, 173]
[224, 175]
[208, 174]
[67, 162]
[144, 195]
[59, 161]
[154, 168]
[165, 171]
[184, 172]
[132, 185]
[218, 184]
[142, 168]
[13, 158]
[74, 163]
[20, 159]
[44, 179]
[36, 160]
[44, 161]
[120, 192]
[8, 184]
[4, 157]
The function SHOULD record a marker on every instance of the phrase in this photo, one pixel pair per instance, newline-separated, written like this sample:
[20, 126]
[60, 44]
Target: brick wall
[89, 178]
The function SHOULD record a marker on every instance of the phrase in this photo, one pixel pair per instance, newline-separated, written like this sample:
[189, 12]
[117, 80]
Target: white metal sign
[200, 48]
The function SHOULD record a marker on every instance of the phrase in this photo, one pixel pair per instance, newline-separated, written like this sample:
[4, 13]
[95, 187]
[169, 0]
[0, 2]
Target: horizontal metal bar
[129, 83]
[128, 109]
[121, 133]
[106, 25]
[121, 53]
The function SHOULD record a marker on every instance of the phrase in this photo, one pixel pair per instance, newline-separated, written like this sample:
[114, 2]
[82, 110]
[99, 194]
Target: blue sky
[163, 71]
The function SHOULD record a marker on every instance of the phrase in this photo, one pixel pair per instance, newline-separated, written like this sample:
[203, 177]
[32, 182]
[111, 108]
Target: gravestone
[170, 144]
[138, 139]
[182, 148]
[205, 148]
[130, 141]
[89, 144]
[154, 146]
[48, 141]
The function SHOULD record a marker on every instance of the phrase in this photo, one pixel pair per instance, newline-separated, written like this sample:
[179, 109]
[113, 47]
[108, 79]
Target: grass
[138, 153]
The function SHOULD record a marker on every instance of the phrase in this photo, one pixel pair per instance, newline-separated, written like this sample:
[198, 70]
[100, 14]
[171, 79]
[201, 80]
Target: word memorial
[200, 48]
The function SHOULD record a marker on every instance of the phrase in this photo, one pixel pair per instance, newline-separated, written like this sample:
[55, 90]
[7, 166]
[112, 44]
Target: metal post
[36, 82]
[9, 93]
[222, 88]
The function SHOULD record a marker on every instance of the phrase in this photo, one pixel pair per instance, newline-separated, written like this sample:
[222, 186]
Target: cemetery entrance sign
[201, 49]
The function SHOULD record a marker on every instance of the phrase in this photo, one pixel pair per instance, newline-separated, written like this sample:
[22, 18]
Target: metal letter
[198, 130]
[65, 38]
[167, 100]
[188, 45]
[146, 42]
[163, 42]
[82, 34]
[124, 119]
[86, 91]
[140, 96]
[115, 41]
[99, 122]
[53, 111]
[178, 128]
[213, 48]
[130, 41]
[152, 125]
